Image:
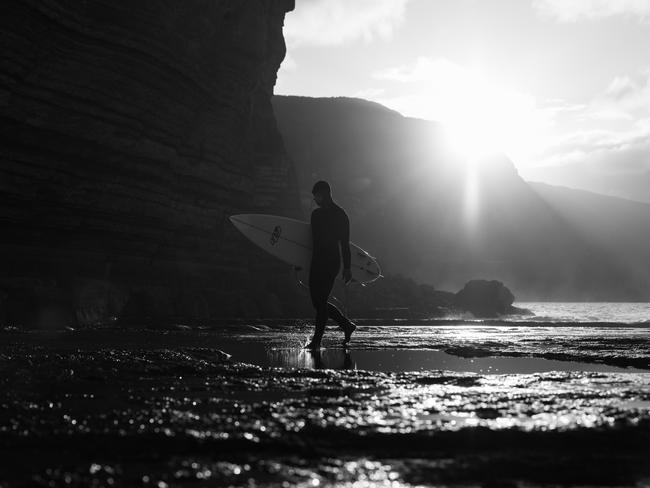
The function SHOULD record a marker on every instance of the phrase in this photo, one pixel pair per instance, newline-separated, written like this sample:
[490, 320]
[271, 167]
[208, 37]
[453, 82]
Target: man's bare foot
[348, 332]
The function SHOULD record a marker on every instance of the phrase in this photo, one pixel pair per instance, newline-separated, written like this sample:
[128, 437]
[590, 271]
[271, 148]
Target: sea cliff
[129, 133]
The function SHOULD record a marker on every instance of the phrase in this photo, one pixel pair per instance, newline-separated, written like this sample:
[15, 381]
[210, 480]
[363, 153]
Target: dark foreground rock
[151, 409]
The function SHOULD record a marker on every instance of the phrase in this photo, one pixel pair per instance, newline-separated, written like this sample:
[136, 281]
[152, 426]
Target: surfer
[330, 229]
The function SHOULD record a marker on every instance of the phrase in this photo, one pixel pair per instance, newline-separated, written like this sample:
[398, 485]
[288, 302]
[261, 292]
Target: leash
[343, 304]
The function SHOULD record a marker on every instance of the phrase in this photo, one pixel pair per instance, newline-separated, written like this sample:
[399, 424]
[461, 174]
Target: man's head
[322, 192]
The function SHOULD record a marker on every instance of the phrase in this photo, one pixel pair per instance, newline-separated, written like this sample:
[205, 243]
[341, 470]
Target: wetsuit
[330, 229]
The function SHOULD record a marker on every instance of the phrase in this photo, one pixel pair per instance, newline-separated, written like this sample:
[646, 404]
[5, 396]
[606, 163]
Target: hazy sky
[550, 82]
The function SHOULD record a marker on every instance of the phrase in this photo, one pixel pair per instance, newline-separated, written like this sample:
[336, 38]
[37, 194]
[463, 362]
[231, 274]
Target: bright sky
[550, 82]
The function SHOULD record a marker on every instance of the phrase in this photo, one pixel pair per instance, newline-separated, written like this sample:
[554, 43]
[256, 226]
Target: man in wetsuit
[330, 229]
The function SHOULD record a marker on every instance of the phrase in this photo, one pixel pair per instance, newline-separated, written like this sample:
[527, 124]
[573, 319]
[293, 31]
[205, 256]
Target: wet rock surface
[151, 408]
[616, 345]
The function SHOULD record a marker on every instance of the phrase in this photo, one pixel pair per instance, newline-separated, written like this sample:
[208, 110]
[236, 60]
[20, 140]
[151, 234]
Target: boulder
[485, 298]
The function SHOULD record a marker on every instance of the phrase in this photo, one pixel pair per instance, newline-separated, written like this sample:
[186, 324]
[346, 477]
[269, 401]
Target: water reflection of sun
[472, 333]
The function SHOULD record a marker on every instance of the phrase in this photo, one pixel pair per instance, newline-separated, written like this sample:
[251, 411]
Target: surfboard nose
[236, 220]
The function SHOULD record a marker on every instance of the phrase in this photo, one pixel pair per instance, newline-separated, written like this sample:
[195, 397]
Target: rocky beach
[193, 407]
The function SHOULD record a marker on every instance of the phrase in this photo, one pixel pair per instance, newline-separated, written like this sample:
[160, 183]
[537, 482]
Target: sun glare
[483, 117]
[470, 143]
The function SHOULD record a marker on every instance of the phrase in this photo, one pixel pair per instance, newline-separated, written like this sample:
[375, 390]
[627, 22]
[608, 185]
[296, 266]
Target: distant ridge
[629, 185]
[343, 103]
[406, 195]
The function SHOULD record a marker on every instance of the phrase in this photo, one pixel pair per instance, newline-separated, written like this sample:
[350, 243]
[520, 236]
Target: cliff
[129, 132]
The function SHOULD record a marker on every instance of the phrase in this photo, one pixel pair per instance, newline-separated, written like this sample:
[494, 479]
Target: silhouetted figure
[330, 229]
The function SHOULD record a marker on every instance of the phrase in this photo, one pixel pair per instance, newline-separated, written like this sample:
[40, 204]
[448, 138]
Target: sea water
[597, 337]
[585, 312]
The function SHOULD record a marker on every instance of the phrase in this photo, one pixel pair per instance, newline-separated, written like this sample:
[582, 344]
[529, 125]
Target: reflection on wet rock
[309, 359]
[154, 409]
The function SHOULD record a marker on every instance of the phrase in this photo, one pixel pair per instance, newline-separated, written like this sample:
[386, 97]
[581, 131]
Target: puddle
[417, 360]
[401, 360]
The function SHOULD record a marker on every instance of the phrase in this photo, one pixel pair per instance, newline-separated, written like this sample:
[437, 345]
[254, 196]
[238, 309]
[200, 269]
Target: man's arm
[316, 224]
[345, 248]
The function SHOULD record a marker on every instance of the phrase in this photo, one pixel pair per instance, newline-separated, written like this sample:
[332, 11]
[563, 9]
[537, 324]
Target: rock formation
[485, 298]
[129, 133]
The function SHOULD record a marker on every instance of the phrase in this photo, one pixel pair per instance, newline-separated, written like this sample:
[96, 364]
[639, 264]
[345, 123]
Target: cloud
[581, 145]
[575, 10]
[620, 87]
[289, 63]
[611, 132]
[369, 93]
[630, 95]
[424, 69]
[333, 22]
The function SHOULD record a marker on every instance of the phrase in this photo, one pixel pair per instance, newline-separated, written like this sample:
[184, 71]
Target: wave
[502, 322]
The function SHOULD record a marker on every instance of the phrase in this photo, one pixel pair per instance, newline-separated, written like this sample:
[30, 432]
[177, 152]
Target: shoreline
[620, 346]
[293, 322]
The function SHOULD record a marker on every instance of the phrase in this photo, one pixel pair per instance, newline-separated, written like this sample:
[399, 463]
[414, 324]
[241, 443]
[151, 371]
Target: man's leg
[341, 320]
[319, 293]
[320, 322]
[321, 280]
[335, 314]
[345, 324]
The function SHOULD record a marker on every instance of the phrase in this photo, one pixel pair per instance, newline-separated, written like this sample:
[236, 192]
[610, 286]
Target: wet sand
[172, 408]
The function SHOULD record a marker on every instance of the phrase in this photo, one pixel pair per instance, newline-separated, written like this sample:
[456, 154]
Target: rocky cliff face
[129, 132]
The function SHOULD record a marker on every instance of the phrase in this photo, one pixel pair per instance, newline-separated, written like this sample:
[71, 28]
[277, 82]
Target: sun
[471, 143]
[483, 117]
[485, 121]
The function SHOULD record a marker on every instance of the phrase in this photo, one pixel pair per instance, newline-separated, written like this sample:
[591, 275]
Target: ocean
[585, 312]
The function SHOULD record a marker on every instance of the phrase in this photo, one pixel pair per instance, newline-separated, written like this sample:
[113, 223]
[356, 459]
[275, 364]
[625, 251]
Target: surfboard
[290, 240]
